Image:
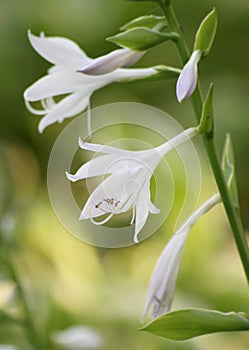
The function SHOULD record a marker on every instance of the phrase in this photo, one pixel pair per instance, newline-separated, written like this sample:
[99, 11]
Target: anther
[109, 200]
[97, 205]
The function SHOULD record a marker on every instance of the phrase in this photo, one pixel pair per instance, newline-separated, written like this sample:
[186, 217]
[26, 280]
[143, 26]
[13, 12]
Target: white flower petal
[142, 210]
[124, 74]
[187, 80]
[133, 58]
[56, 68]
[169, 265]
[66, 108]
[95, 167]
[153, 209]
[133, 186]
[59, 51]
[111, 61]
[94, 147]
[162, 283]
[59, 83]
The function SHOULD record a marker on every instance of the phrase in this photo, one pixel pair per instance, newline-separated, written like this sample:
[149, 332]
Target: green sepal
[206, 33]
[228, 168]
[141, 38]
[207, 117]
[189, 323]
[145, 21]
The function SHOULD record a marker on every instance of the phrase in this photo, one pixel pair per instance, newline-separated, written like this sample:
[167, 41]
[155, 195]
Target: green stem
[30, 326]
[197, 101]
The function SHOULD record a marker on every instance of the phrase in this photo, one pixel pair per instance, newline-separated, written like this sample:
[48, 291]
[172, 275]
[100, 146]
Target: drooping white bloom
[75, 75]
[78, 337]
[163, 281]
[128, 186]
[187, 80]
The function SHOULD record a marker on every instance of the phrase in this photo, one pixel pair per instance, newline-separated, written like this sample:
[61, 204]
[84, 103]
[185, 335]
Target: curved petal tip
[70, 177]
[135, 239]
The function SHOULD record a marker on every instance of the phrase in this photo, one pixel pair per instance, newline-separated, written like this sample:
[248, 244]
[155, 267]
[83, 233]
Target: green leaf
[141, 38]
[207, 116]
[229, 170]
[189, 323]
[145, 21]
[206, 33]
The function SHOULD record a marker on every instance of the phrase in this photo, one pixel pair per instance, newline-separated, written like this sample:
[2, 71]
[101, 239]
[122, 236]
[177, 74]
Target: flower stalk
[27, 322]
[197, 102]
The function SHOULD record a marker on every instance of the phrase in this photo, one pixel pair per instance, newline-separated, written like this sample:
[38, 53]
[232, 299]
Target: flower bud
[187, 80]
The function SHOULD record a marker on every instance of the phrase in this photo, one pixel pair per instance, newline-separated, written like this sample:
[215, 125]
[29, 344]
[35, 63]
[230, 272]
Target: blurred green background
[67, 281]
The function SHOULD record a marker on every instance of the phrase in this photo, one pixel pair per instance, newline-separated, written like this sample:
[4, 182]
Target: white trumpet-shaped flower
[128, 185]
[75, 76]
[163, 281]
[78, 337]
[187, 80]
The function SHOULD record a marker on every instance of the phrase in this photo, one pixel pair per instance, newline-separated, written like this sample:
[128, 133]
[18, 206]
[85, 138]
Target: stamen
[33, 110]
[115, 207]
[97, 205]
[133, 216]
[109, 201]
[44, 104]
[48, 103]
[103, 221]
[112, 206]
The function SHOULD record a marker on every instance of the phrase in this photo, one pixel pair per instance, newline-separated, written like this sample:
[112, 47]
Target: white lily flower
[187, 80]
[78, 337]
[163, 281]
[128, 186]
[68, 77]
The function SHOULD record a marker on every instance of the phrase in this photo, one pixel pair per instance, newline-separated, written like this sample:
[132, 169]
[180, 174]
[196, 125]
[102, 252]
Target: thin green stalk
[197, 101]
[28, 323]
